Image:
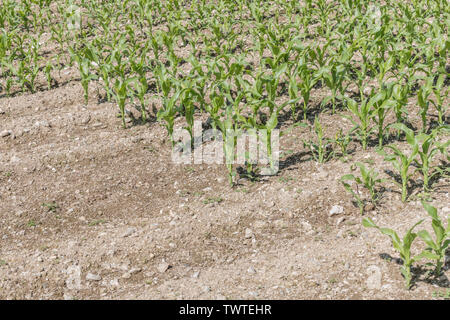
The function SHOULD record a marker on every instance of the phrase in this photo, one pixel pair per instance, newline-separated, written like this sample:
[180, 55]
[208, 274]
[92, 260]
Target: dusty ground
[89, 210]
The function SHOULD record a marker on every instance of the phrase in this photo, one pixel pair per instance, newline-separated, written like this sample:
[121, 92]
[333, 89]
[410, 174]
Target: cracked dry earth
[89, 210]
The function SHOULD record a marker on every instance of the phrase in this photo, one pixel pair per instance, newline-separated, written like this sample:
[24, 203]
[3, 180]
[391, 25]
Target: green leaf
[368, 223]
[273, 121]
[425, 236]
[426, 255]
[432, 211]
[347, 177]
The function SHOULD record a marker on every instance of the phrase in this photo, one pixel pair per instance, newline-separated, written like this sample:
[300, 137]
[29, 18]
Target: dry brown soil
[89, 210]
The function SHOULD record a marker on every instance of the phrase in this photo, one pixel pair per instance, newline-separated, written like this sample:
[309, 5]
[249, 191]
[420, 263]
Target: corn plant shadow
[413, 184]
[424, 274]
[390, 137]
[287, 116]
[294, 159]
[447, 79]
[138, 120]
[389, 258]
[434, 123]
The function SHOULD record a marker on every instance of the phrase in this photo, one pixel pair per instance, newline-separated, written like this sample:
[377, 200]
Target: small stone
[196, 274]
[85, 120]
[339, 221]
[307, 226]
[114, 282]
[42, 123]
[251, 270]
[93, 277]
[136, 139]
[5, 133]
[206, 289]
[373, 281]
[162, 267]
[126, 275]
[67, 296]
[135, 270]
[2, 111]
[129, 232]
[336, 210]
[248, 233]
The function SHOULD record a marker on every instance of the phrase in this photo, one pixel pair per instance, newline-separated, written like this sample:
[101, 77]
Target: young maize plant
[438, 246]
[333, 76]
[428, 149]
[120, 90]
[169, 110]
[440, 92]
[230, 130]
[308, 80]
[400, 95]
[381, 107]
[321, 150]
[369, 179]
[141, 87]
[400, 160]
[342, 141]
[84, 65]
[363, 112]
[423, 99]
[48, 74]
[402, 246]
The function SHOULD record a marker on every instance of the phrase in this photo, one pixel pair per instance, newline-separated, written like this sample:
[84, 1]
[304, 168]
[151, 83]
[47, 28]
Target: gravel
[336, 210]
[162, 267]
[93, 277]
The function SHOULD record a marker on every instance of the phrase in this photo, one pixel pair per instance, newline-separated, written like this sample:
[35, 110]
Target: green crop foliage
[242, 60]
[369, 179]
[342, 141]
[437, 246]
[333, 77]
[381, 106]
[121, 88]
[403, 160]
[363, 112]
[440, 92]
[423, 99]
[428, 149]
[403, 247]
[308, 79]
[84, 65]
[321, 148]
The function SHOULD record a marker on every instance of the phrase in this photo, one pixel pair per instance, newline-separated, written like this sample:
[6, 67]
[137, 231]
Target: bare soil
[89, 210]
